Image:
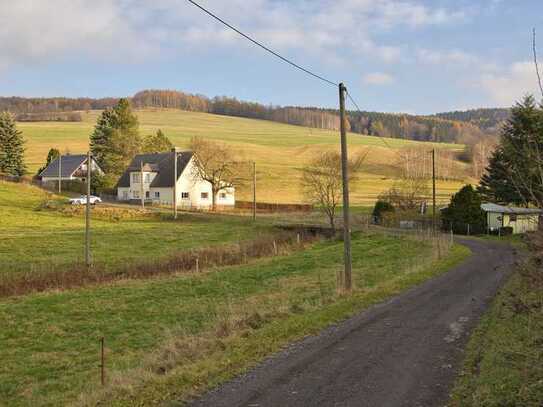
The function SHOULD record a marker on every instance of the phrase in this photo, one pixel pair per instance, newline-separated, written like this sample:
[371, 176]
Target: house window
[184, 195]
[136, 194]
[125, 195]
[513, 217]
[222, 195]
[135, 177]
[147, 177]
[147, 194]
[157, 195]
[204, 195]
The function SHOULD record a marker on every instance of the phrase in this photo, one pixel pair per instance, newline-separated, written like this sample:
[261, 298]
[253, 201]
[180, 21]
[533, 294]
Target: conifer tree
[11, 147]
[115, 140]
[465, 209]
[157, 143]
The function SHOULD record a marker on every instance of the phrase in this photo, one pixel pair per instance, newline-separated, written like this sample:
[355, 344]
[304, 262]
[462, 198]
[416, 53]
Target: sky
[411, 56]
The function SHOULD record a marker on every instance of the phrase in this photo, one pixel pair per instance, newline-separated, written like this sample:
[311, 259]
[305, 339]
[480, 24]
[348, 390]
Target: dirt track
[405, 352]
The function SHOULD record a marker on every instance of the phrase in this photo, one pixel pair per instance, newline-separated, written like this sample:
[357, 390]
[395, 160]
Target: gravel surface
[405, 352]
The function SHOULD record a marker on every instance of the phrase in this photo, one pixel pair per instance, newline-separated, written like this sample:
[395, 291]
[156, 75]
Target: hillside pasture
[280, 150]
[32, 237]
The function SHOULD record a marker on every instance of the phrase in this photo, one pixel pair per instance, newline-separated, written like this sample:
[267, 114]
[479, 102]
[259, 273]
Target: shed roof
[491, 207]
[69, 164]
[161, 163]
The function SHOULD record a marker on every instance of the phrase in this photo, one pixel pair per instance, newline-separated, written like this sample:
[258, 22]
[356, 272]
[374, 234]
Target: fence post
[298, 238]
[102, 364]
[468, 229]
[452, 237]
[197, 265]
[275, 248]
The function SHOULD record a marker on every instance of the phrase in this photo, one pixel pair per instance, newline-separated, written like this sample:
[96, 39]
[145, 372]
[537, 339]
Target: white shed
[521, 220]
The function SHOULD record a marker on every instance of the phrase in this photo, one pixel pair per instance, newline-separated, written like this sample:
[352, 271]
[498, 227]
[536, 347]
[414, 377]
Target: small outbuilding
[521, 220]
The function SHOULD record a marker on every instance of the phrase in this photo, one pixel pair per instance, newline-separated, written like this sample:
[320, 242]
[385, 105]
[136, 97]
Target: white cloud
[512, 84]
[378, 78]
[34, 31]
[450, 57]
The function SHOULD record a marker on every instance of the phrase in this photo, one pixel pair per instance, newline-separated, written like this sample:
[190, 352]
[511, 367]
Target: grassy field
[170, 337]
[32, 237]
[279, 150]
[504, 358]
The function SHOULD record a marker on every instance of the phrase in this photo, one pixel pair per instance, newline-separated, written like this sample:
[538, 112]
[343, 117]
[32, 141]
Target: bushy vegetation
[464, 214]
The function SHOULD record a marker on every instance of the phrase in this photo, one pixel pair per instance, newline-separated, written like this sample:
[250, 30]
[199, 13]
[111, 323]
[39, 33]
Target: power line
[307, 71]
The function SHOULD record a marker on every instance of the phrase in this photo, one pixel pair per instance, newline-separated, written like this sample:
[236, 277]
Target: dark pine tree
[11, 147]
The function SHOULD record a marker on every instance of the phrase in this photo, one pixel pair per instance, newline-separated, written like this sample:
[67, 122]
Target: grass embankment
[279, 150]
[35, 238]
[171, 337]
[504, 358]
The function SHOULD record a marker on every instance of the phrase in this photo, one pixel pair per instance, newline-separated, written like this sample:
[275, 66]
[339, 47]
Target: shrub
[380, 209]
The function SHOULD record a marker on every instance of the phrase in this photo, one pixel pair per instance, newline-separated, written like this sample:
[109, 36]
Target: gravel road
[405, 352]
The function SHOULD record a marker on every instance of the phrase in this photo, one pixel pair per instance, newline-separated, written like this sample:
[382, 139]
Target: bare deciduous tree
[322, 181]
[407, 193]
[217, 164]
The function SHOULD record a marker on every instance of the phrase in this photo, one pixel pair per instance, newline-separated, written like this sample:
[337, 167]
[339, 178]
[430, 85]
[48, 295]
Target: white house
[68, 168]
[158, 182]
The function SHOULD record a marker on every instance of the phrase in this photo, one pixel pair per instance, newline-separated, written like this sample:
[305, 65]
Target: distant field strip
[279, 150]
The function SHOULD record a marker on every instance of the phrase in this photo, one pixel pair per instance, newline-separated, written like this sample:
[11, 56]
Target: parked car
[82, 200]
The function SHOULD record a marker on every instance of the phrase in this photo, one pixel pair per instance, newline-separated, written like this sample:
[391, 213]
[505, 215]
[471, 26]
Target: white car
[82, 200]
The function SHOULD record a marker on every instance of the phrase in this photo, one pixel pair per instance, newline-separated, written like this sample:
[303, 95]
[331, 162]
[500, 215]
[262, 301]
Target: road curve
[405, 352]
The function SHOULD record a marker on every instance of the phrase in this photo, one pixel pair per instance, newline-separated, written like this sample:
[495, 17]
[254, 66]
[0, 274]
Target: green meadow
[279, 150]
[168, 338]
[31, 236]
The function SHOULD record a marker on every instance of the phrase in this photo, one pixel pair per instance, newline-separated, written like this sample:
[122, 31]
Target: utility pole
[434, 189]
[174, 150]
[347, 273]
[141, 186]
[60, 174]
[254, 190]
[87, 212]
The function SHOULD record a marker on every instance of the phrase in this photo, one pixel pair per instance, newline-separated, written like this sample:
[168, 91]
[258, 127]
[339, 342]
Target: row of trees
[424, 128]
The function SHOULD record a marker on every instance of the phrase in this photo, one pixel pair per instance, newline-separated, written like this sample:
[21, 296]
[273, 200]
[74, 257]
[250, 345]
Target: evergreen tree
[115, 140]
[465, 209]
[52, 155]
[156, 143]
[11, 147]
[515, 172]
[496, 185]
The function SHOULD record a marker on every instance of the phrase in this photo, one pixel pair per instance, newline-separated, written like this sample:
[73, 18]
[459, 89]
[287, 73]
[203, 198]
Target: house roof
[162, 163]
[69, 164]
[491, 207]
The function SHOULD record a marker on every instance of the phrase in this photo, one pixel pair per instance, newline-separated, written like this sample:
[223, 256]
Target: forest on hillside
[455, 127]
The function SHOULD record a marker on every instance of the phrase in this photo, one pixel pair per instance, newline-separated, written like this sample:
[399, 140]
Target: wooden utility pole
[60, 174]
[347, 272]
[87, 212]
[254, 190]
[434, 189]
[174, 150]
[142, 191]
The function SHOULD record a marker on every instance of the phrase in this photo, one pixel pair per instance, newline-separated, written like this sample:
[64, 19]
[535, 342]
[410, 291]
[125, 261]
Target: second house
[153, 175]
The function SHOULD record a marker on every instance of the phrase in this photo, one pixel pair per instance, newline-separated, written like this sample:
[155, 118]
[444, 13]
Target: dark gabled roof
[158, 162]
[69, 164]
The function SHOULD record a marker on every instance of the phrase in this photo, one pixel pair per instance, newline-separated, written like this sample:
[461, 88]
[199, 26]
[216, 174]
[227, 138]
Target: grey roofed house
[69, 166]
[161, 163]
[491, 207]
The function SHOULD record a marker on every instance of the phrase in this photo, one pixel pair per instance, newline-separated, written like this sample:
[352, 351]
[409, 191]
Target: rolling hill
[279, 150]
